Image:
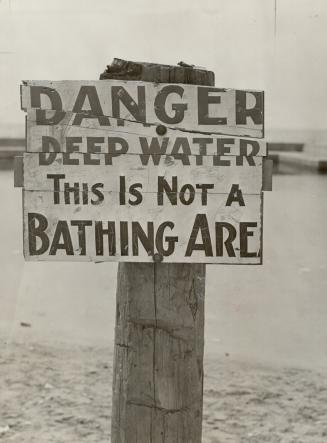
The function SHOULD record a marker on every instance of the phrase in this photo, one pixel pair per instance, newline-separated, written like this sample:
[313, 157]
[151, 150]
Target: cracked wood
[162, 366]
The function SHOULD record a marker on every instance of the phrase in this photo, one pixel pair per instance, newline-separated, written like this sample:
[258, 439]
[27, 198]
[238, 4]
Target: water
[307, 136]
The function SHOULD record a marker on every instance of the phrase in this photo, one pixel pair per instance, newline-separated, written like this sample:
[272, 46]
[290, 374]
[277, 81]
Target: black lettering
[50, 147]
[91, 94]
[187, 188]
[200, 225]
[202, 142]
[113, 151]
[235, 195]
[123, 238]
[81, 224]
[154, 150]
[244, 154]
[178, 108]
[71, 146]
[170, 240]
[93, 148]
[244, 234]
[122, 190]
[35, 232]
[62, 230]
[181, 143]
[120, 95]
[135, 193]
[242, 112]
[85, 193]
[147, 239]
[99, 194]
[100, 232]
[56, 186]
[222, 149]
[204, 191]
[56, 105]
[171, 192]
[220, 242]
[71, 189]
[204, 100]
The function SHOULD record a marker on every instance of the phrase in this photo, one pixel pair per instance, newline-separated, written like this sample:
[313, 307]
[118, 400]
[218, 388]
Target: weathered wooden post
[159, 336]
[153, 168]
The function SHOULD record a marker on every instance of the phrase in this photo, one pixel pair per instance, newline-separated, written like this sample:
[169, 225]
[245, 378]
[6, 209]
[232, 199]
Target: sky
[242, 41]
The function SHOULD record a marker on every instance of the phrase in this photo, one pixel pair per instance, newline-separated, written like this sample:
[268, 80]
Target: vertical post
[159, 335]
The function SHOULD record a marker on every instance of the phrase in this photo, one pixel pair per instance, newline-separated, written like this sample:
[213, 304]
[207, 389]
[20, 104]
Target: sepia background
[266, 329]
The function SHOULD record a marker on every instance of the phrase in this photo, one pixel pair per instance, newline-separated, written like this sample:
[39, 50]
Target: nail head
[161, 130]
[157, 258]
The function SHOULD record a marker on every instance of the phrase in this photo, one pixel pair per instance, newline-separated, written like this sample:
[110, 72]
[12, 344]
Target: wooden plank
[156, 404]
[154, 301]
[210, 225]
[153, 399]
[267, 174]
[19, 171]
[189, 107]
[136, 137]
[137, 289]
[152, 72]
[130, 169]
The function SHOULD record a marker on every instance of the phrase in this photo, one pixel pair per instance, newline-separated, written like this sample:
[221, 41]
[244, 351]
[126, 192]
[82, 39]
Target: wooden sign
[151, 175]
[112, 173]
[109, 228]
[189, 107]
[126, 137]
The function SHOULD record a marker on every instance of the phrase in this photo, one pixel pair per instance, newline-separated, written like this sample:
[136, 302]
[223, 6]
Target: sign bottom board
[196, 233]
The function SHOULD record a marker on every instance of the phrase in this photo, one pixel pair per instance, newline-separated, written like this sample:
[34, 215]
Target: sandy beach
[63, 394]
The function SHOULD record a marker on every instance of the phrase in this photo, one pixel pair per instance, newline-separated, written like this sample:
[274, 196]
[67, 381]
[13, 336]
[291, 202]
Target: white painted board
[189, 107]
[91, 169]
[135, 136]
[195, 233]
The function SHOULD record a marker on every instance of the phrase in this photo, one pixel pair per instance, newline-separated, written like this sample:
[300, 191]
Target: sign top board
[132, 137]
[201, 109]
[126, 171]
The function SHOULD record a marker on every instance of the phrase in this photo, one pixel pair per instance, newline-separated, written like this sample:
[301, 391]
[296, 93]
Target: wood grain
[131, 132]
[249, 178]
[19, 171]
[159, 354]
[152, 292]
[267, 170]
[182, 217]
